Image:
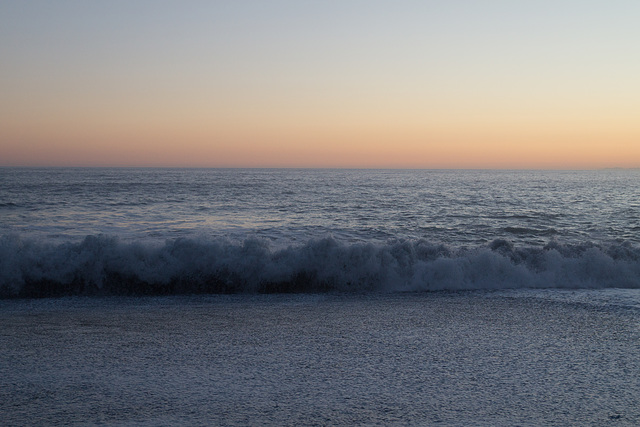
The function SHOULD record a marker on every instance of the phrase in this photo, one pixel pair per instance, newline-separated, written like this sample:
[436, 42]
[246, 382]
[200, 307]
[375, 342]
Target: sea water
[168, 231]
[421, 297]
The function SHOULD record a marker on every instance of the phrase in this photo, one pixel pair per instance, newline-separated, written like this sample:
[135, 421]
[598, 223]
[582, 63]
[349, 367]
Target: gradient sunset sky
[344, 83]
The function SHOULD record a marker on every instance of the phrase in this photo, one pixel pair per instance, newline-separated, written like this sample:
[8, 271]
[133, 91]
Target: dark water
[287, 205]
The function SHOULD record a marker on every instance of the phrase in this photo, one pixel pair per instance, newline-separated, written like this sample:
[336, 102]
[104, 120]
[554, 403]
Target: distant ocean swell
[103, 265]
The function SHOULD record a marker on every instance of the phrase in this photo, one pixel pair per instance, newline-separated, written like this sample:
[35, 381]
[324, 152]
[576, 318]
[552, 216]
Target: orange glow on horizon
[353, 134]
[320, 84]
[466, 147]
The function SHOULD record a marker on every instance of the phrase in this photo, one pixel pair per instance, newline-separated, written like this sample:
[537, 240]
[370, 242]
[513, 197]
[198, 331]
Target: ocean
[319, 297]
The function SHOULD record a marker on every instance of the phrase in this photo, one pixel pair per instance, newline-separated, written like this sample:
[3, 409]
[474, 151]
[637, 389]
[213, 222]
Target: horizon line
[319, 168]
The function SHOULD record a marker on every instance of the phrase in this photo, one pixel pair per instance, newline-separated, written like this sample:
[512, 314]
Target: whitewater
[172, 231]
[319, 297]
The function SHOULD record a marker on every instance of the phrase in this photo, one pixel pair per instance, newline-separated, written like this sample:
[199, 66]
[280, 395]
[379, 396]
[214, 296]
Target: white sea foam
[105, 265]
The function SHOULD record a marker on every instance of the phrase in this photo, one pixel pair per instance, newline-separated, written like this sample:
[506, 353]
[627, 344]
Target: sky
[332, 83]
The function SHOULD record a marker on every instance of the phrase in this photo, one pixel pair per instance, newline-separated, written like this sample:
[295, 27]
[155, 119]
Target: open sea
[319, 297]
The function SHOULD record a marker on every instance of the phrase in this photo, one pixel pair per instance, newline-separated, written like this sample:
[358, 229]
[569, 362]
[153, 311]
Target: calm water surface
[474, 358]
[286, 205]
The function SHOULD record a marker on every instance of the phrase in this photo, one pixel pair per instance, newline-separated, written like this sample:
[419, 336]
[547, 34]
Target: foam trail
[102, 265]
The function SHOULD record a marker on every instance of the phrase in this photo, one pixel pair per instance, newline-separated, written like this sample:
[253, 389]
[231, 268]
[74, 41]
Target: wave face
[104, 265]
[172, 231]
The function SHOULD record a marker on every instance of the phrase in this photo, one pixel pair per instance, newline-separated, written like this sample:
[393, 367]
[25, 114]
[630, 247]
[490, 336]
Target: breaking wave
[103, 265]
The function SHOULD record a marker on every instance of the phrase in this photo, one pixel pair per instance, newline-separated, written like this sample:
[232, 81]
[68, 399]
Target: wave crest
[103, 265]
